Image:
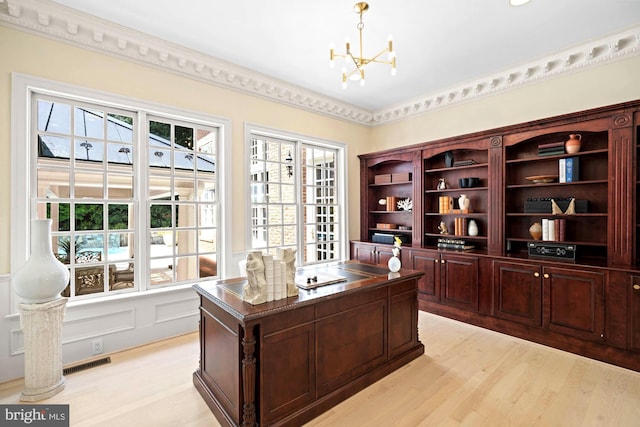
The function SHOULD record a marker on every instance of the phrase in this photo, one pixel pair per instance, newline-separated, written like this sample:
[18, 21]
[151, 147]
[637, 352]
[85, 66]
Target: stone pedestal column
[42, 328]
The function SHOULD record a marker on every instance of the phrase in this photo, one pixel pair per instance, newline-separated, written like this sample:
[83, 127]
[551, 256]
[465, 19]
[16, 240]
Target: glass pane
[288, 193]
[89, 216]
[161, 271]
[289, 215]
[187, 268]
[273, 151]
[274, 213]
[119, 186]
[184, 188]
[185, 215]
[258, 237]
[186, 243]
[54, 117]
[120, 153]
[206, 190]
[89, 280]
[273, 170]
[274, 193]
[289, 235]
[62, 248]
[208, 265]
[121, 276]
[120, 216]
[53, 183]
[88, 185]
[160, 216]
[159, 186]
[275, 236]
[206, 141]
[159, 134]
[258, 192]
[54, 147]
[58, 213]
[206, 163]
[310, 234]
[89, 123]
[89, 150]
[207, 240]
[184, 137]
[183, 160]
[159, 158]
[120, 247]
[119, 128]
[207, 217]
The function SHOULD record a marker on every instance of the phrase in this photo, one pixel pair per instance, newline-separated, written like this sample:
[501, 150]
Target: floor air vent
[86, 365]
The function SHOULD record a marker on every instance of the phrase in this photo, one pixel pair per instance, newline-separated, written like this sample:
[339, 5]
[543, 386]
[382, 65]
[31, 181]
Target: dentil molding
[64, 24]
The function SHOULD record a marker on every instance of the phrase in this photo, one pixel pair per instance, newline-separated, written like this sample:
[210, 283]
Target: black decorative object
[448, 159]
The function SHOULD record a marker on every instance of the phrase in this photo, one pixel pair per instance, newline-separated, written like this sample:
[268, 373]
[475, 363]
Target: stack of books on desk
[551, 149]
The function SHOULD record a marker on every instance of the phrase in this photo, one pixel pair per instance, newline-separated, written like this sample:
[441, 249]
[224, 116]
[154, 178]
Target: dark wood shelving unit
[589, 304]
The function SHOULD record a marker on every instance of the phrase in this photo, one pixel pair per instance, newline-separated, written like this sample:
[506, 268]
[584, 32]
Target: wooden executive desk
[285, 362]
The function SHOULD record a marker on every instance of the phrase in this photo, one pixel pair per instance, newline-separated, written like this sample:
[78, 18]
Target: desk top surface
[227, 293]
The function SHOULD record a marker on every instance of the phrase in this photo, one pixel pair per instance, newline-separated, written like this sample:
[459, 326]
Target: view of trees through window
[89, 183]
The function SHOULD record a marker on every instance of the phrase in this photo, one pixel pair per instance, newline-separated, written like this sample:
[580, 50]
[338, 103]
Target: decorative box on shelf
[388, 238]
[543, 205]
[386, 226]
[401, 177]
[382, 178]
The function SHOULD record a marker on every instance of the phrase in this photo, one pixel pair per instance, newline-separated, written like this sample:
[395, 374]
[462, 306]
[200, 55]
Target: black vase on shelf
[448, 159]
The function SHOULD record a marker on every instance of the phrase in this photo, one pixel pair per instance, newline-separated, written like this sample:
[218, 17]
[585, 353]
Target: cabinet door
[459, 281]
[383, 254]
[517, 293]
[362, 252]
[427, 261]
[574, 302]
[634, 313]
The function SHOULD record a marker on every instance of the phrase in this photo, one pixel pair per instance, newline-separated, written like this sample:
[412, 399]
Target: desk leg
[249, 378]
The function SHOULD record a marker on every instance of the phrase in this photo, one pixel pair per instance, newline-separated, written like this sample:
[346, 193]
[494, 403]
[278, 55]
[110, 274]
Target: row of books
[554, 230]
[551, 149]
[569, 169]
[460, 226]
[454, 244]
[445, 204]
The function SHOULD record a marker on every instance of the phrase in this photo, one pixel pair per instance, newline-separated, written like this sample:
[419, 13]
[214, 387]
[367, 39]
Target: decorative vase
[42, 277]
[464, 202]
[573, 143]
[448, 159]
[472, 228]
[536, 230]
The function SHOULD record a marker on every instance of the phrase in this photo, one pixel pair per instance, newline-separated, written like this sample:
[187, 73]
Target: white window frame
[23, 174]
[301, 141]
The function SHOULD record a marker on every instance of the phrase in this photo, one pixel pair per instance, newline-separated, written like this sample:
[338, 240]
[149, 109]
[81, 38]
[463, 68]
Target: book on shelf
[464, 162]
[454, 244]
[460, 226]
[572, 169]
[445, 204]
[551, 145]
[551, 151]
[562, 170]
[554, 229]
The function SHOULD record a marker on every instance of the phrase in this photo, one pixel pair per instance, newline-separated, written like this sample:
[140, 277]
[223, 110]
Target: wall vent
[86, 365]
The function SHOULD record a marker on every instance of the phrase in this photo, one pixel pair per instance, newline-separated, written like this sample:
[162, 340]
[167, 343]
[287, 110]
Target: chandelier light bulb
[518, 2]
[331, 56]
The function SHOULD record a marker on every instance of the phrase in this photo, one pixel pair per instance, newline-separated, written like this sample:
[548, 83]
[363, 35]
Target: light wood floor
[468, 377]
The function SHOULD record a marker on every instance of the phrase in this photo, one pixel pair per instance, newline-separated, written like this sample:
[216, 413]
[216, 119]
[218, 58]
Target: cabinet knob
[546, 275]
[536, 274]
[442, 261]
[435, 260]
[636, 286]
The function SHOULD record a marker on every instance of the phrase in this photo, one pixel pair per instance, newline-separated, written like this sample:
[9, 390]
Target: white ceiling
[439, 43]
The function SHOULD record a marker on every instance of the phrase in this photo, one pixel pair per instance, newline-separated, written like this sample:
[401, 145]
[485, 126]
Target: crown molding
[60, 23]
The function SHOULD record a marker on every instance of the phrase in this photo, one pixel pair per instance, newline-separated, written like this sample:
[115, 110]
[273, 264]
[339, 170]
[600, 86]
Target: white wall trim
[60, 23]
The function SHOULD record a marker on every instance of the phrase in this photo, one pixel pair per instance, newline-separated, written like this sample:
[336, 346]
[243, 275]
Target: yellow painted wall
[37, 56]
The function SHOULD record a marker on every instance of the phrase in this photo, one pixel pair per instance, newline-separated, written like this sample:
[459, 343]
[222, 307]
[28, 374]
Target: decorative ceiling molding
[64, 24]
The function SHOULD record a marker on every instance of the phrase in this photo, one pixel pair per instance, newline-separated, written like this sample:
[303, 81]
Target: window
[296, 196]
[133, 195]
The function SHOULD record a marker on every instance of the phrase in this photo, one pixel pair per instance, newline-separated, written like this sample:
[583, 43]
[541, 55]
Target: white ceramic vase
[42, 277]
[472, 228]
[464, 202]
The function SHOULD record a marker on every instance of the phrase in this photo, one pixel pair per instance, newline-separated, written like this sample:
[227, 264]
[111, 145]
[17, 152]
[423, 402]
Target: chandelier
[359, 61]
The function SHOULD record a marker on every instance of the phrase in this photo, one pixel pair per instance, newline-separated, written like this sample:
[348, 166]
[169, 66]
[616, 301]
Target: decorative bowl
[542, 179]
